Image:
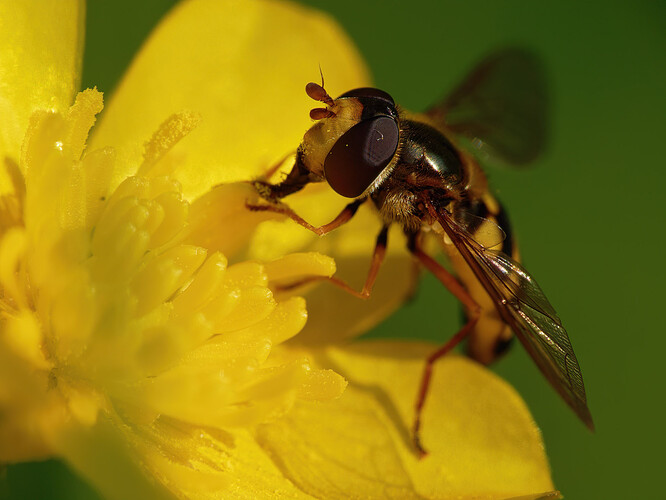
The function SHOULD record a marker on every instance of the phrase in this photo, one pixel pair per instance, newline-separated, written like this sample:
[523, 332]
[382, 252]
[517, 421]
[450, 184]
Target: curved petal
[482, 440]
[328, 452]
[176, 461]
[207, 463]
[167, 457]
[243, 67]
[41, 49]
[98, 453]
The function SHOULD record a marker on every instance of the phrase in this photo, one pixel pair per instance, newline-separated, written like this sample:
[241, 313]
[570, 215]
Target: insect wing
[500, 107]
[523, 305]
[487, 233]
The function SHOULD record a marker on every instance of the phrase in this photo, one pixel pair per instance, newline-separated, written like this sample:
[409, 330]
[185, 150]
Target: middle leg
[375, 264]
[473, 312]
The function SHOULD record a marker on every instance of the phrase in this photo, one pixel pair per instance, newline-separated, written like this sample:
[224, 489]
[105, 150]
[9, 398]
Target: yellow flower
[140, 338]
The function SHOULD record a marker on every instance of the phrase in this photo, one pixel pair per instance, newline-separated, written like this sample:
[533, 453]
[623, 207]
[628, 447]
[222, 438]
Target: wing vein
[522, 304]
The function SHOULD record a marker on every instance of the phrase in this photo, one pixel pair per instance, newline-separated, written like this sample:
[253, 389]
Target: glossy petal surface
[243, 67]
[196, 463]
[482, 440]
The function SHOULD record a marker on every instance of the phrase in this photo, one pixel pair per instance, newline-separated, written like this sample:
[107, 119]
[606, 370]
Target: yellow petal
[205, 463]
[242, 66]
[191, 462]
[338, 450]
[219, 220]
[482, 440]
[41, 47]
[100, 454]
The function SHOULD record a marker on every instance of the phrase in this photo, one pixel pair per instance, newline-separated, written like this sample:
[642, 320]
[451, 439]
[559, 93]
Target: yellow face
[321, 137]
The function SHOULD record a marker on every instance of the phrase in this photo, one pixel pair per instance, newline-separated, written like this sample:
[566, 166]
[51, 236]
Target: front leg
[282, 208]
[297, 179]
[273, 193]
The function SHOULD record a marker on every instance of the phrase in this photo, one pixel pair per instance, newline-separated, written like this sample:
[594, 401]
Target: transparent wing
[487, 233]
[501, 107]
[523, 305]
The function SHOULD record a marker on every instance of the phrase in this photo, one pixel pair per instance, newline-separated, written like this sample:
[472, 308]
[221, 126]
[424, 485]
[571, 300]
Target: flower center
[106, 305]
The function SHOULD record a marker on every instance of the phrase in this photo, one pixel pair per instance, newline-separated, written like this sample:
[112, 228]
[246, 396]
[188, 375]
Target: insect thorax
[429, 166]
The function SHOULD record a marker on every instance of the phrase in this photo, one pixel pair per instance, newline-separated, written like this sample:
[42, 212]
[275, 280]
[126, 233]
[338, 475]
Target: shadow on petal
[481, 437]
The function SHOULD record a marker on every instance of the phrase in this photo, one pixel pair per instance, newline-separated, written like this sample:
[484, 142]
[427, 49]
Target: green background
[589, 217]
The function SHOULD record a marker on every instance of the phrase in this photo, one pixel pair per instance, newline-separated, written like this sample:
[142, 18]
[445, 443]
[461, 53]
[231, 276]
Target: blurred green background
[589, 217]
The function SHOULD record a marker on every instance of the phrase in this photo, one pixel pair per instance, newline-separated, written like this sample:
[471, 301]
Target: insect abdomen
[491, 336]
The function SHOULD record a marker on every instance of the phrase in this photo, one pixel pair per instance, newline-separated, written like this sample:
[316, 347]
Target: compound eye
[369, 92]
[360, 155]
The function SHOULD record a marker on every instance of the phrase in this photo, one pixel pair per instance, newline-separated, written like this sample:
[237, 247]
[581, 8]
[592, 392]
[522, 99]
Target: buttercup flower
[141, 337]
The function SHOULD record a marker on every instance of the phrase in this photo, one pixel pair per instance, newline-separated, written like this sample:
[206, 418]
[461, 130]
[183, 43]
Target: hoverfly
[412, 168]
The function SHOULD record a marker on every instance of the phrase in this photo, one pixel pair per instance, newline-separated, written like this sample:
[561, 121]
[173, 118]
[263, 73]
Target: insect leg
[473, 312]
[298, 177]
[282, 208]
[375, 264]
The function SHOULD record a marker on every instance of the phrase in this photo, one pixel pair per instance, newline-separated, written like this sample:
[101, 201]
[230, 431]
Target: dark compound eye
[369, 92]
[375, 102]
[360, 155]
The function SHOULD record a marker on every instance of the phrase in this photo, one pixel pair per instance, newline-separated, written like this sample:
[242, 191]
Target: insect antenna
[321, 113]
[317, 92]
